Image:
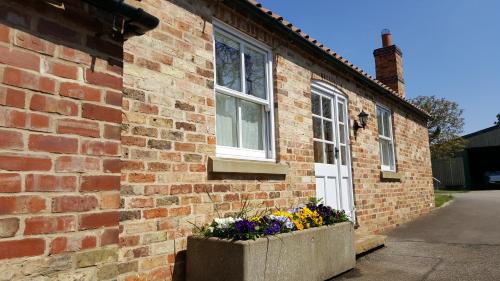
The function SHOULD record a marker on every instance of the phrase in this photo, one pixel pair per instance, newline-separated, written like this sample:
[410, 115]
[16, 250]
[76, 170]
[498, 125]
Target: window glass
[251, 125]
[316, 104]
[317, 128]
[330, 153]
[341, 112]
[318, 152]
[255, 73]
[227, 134]
[327, 107]
[343, 155]
[328, 130]
[379, 122]
[386, 143]
[342, 133]
[244, 124]
[387, 131]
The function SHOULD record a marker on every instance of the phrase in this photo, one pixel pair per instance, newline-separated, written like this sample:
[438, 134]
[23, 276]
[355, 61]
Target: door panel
[331, 149]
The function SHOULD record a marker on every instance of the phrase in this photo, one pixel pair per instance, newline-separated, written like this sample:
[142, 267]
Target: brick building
[111, 149]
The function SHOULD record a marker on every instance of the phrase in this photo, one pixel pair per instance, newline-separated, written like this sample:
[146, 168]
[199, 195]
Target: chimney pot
[389, 64]
[386, 38]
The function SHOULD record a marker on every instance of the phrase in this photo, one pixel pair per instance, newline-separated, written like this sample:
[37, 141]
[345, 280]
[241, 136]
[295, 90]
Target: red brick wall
[60, 118]
[70, 168]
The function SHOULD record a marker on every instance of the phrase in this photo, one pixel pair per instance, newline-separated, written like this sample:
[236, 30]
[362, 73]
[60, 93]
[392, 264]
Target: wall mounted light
[363, 120]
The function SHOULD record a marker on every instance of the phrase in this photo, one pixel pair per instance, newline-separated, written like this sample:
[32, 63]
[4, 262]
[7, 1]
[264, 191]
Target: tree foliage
[498, 120]
[444, 127]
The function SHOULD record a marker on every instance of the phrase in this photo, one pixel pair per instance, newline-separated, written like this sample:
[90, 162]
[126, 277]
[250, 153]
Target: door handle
[336, 152]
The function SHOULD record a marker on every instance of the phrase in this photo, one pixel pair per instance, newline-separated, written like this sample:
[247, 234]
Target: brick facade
[63, 190]
[60, 119]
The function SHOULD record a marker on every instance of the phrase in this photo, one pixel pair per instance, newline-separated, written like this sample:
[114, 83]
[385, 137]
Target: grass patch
[450, 191]
[442, 198]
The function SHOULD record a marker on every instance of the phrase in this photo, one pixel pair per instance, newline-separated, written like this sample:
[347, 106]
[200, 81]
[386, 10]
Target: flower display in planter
[302, 217]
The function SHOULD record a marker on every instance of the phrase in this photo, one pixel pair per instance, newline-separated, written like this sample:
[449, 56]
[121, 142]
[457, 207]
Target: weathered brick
[112, 132]
[110, 200]
[46, 225]
[47, 183]
[19, 58]
[12, 97]
[22, 248]
[28, 80]
[63, 70]
[112, 165]
[24, 162]
[103, 79]
[97, 220]
[140, 177]
[78, 91]
[73, 203]
[110, 236]
[52, 105]
[78, 127]
[159, 144]
[27, 41]
[77, 164]
[155, 213]
[8, 227]
[185, 126]
[100, 183]
[96, 257]
[102, 113]
[10, 139]
[94, 147]
[10, 182]
[49, 143]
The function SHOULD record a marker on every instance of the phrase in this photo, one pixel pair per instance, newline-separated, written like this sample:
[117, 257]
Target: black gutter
[248, 9]
[136, 20]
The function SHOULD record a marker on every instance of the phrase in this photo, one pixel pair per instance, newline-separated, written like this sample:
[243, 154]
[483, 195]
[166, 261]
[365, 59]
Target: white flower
[224, 222]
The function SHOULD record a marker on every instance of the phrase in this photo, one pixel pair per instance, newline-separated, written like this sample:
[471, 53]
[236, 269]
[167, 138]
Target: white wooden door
[331, 148]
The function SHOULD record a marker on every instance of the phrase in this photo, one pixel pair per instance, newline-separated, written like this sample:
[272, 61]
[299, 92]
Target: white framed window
[386, 140]
[243, 96]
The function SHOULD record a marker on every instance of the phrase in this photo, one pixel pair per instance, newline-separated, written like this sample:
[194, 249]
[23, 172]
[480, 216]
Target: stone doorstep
[365, 242]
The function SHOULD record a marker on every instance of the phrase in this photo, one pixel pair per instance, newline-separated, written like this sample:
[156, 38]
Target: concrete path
[458, 242]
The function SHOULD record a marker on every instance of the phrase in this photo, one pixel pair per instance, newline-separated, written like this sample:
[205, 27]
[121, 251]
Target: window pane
[391, 156]
[341, 112]
[384, 150]
[317, 128]
[255, 73]
[327, 127]
[327, 107]
[226, 126]
[387, 128]
[343, 155]
[251, 125]
[342, 133]
[379, 122]
[318, 152]
[330, 153]
[316, 104]
[228, 65]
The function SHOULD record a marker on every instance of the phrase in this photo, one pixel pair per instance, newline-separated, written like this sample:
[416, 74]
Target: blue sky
[451, 48]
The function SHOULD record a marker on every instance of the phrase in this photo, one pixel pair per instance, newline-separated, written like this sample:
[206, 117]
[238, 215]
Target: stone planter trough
[312, 254]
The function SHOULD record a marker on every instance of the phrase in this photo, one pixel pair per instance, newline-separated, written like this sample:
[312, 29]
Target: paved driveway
[458, 242]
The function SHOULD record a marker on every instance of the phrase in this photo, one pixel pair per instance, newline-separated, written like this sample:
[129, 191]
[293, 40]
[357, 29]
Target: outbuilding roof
[329, 53]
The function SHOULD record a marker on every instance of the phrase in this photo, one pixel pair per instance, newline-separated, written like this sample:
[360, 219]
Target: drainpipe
[129, 21]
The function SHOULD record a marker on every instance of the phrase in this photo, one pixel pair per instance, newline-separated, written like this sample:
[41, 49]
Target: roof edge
[255, 8]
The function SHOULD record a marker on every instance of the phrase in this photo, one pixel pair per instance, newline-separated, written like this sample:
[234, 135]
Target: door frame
[333, 92]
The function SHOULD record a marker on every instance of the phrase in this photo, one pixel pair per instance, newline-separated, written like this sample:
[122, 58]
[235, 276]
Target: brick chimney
[389, 64]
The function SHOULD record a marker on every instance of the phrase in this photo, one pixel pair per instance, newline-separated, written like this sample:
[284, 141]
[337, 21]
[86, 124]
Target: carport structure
[480, 155]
